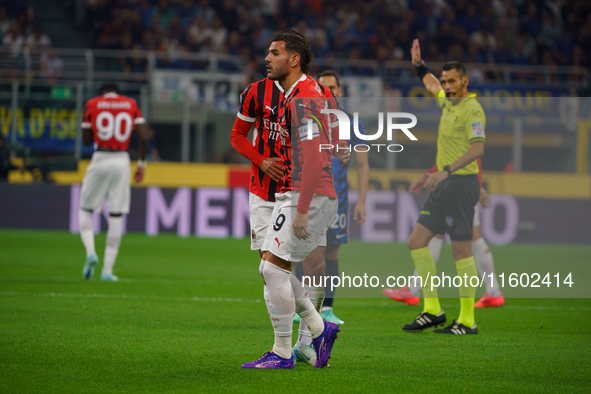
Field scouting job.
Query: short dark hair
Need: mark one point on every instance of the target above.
(455, 65)
(108, 87)
(296, 43)
(330, 73)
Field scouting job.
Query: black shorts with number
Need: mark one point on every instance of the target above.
(450, 208)
(337, 233)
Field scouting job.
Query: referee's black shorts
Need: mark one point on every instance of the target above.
(450, 208)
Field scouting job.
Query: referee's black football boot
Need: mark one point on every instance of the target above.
(458, 329)
(425, 320)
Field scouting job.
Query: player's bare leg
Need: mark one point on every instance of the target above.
(87, 235)
(114, 234)
(486, 266)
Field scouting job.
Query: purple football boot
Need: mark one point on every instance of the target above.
(323, 343)
(271, 361)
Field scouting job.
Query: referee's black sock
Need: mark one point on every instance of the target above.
(332, 269)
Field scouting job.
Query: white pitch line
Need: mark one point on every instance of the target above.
(121, 280)
(545, 308)
(128, 297)
(252, 300)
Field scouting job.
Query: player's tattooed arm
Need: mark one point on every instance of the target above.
(87, 136)
(87, 132)
(142, 131)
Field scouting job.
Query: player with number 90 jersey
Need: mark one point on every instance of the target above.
(109, 120)
(112, 118)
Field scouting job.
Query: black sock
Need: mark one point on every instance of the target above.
(299, 271)
(332, 269)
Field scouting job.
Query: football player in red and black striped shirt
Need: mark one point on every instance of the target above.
(260, 103)
(306, 204)
(259, 107)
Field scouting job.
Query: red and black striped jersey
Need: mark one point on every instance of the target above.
(259, 103)
(113, 118)
(308, 167)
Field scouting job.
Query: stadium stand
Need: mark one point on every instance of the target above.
(369, 37)
(52, 48)
(548, 33)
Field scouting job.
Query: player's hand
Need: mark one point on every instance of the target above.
(435, 179)
(484, 198)
(417, 186)
(138, 177)
(300, 226)
(342, 152)
(273, 168)
(415, 51)
(359, 213)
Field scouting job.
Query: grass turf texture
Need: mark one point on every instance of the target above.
(188, 312)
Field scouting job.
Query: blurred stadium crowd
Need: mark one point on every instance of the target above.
(21, 32)
(517, 32)
(533, 37)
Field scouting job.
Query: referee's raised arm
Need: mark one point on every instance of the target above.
(425, 75)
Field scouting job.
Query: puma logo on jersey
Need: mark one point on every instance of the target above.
(279, 243)
(271, 109)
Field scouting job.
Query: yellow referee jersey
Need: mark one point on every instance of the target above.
(460, 125)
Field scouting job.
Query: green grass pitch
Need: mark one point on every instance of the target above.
(188, 312)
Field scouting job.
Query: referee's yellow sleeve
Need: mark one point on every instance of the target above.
(441, 98)
(475, 125)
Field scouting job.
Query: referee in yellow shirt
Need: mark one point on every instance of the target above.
(454, 193)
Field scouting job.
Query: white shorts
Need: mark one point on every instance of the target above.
(260, 217)
(280, 239)
(108, 176)
(476, 217)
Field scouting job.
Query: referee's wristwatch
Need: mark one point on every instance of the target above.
(446, 168)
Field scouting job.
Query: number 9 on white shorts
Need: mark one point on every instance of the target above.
(280, 239)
